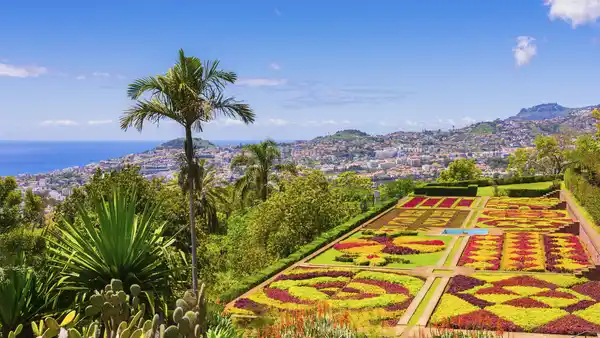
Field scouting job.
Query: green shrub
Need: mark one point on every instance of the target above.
(531, 192)
(586, 193)
(470, 190)
(319, 242)
(484, 182)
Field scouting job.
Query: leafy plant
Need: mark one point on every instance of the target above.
(121, 245)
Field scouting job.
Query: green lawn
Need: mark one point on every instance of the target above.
(489, 191)
(426, 259)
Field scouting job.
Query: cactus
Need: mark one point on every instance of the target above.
(122, 316)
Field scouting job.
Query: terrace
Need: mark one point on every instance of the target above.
(526, 266)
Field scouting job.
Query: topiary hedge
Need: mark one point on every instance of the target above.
(307, 249)
(531, 192)
(485, 182)
(428, 190)
(587, 194)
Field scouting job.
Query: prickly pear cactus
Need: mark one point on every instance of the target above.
(189, 315)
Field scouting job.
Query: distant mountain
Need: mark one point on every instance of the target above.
(348, 134)
(178, 143)
(543, 111)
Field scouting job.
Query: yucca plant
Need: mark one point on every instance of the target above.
(120, 244)
(24, 296)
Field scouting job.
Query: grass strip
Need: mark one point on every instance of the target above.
(489, 191)
(424, 302)
(472, 219)
(453, 251)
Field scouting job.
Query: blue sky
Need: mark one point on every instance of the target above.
(307, 68)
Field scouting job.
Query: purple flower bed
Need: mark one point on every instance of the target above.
(474, 300)
(584, 304)
(570, 324)
(387, 286)
(284, 296)
(461, 283)
(591, 289)
(249, 304)
(315, 274)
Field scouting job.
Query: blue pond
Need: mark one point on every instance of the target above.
(465, 232)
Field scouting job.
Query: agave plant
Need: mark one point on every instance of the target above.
(121, 245)
(24, 296)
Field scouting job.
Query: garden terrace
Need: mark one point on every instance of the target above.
(440, 202)
(524, 203)
(420, 219)
(524, 220)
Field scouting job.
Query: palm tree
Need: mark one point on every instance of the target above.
(208, 188)
(259, 161)
(190, 94)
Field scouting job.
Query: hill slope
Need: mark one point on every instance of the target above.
(178, 143)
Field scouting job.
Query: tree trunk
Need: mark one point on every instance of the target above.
(189, 154)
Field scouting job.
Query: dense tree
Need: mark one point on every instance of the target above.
(460, 170)
(522, 162)
(33, 209)
(398, 188)
(10, 204)
(259, 161)
(552, 153)
(190, 94)
(352, 187)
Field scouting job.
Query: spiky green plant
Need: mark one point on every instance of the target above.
(121, 245)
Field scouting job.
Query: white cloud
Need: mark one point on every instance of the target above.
(59, 123)
(80, 77)
(95, 122)
(261, 82)
(100, 74)
(277, 122)
(447, 121)
(231, 122)
(21, 71)
(575, 12)
(410, 123)
(275, 66)
(525, 50)
(277, 12)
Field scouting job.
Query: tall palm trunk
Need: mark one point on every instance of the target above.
(189, 154)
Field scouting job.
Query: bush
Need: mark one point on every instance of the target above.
(470, 190)
(319, 242)
(499, 181)
(586, 193)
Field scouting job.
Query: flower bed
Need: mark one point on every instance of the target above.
(385, 247)
(439, 202)
(525, 251)
(522, 203)
(483, 252)
(523, 220)
(564, 253)
(370, 297)
(422, 218)
(553, 304)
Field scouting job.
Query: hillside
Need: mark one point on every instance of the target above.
(543, 112)
(178, 143)
(346, 135)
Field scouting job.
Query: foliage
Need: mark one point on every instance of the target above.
(25, 295)
(398, 188)
(585, 192)
(512, 192)
(30, 243)
(294, 216)
(522, 162)
(259, 162)
(324, 239)
(10, 201)
(351, 187)
(471, 191)
(122, 245)
(485, 182)
(460, 170)
(552, 153)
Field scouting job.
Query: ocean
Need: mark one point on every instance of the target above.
(34, 157)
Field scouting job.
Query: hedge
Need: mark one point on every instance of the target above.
(531, 192)
(307, 249)
(485, 182)
(428, 190)
(587, 194)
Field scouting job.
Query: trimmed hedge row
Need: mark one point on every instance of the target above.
(307, 249)
(531, 192)
(586, 193)
(485, 182)
(428, 190)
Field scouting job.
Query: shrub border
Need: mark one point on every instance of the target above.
(486, 182)
(325, 238)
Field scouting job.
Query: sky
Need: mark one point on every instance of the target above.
(307, 68)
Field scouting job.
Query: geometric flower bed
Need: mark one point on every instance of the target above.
(412, 219)
(439, 202)
(542, 303)
(521, 203)
(525, 251)
(387, 246)
(527, 220)
(370, 297)
(483, 252)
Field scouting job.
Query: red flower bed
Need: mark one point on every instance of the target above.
(527, 303)
(591, 289)
(564, 253)
(387, 286)
(413, 202)
(465, 203)
(480, 319)
(350, 245)
(461, 283)
(431, 202)
(431, 242)
(249, 304)
(584, 304)
(570, 325)
(329, 285)
(447, 202)
(525, 281)
(475, 245)
(314, 274)
(284, 296)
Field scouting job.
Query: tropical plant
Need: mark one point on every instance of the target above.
(190, 94)
(24, 295)
(208, 188)
(120, 245)
(259, 162)
(10, 204)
